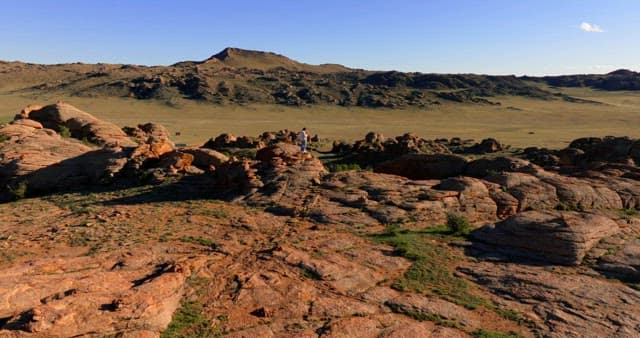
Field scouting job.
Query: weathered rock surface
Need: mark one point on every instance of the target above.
(624, 263)
(569, 304)
(423, 306)
(561, 237)
(39, 160)
(81, 125)
(473, 196)
(45, 161)
(91, 296)
(204, 158)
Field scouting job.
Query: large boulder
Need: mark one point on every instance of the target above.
(204, 158)
(424, 166)
(475, 201)
(489, 145)
(285, 151)
(577, 194)
(608, 149)
(552, 236)
(152, 143)
(623, 263)
(42, 160)
(150, 133)
(80, 124)
(530, 191)
(34, 158)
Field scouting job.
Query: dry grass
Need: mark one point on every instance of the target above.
(518, 121)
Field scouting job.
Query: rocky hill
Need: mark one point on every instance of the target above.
(621, 79)
(236, 76)
(119, 232)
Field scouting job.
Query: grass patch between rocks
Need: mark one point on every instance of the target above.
(430, 271)
(201, 241)
(482, 333)
(189, 322)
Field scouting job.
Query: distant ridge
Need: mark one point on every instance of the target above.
(620, 79)
(242, 76)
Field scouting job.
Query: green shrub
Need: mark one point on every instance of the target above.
(344, 167)
(88, 143)
(189, 321)
(64, 131)
(18, 191)
(4, 138)
(458, 224)
(482, 333)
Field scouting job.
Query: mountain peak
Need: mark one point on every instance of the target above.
(254, 59)
(231, 52)
(245, 58)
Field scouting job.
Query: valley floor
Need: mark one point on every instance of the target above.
(518, 121)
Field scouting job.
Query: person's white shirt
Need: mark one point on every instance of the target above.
(302, 136)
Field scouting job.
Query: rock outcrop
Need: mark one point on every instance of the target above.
(80, 125)
(43, 160)
(37, 159)
(424, 166)
(562, 299)
(623, 263)
(560, 237)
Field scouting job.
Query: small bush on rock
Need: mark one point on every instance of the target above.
(458, 224)
(19, 191)
(64, 131)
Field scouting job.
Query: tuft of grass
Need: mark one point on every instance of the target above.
(482, 333)
(64, 131)
(309, 273)
(189, 322)
(88, 142)
(19, 191)
(430, 272)
(217, 212)
(4, 138)
(202, 241)
(80, 238)
(165, 236)
(337, 167)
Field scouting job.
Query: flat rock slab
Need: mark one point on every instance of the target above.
(67, 297)
(566, 303)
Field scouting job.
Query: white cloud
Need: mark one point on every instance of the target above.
(591, 28)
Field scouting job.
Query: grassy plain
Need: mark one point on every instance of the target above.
(518, 121)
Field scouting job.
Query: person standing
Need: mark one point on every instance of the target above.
(303, 137)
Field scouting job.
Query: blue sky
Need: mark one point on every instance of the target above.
(455, 36)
